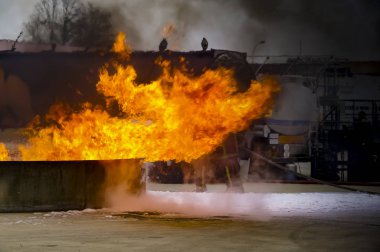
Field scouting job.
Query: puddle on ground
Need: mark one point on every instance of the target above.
(175, 217)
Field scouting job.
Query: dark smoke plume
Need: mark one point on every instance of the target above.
(347, 28)
(342, 28)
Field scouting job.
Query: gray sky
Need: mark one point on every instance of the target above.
(345, 28)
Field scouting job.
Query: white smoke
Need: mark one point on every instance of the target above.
(192, 204)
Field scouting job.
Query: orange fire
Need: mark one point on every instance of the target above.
(168, 30)
(121, 47)
(176, 117)
(4, 155)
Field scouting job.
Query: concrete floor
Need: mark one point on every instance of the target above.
(261, 188)
(300, 218)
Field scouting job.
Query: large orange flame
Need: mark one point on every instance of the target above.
(176, 117)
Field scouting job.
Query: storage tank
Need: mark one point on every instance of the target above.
(295, 108)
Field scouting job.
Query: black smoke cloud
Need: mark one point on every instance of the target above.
(344, 28)
(347, 28)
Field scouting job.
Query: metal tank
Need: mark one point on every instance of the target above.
(295, 108)
(285, 135)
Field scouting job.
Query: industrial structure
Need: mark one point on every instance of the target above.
(327, 113)
(332, 117)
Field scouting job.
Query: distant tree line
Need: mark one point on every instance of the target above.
(70, 22)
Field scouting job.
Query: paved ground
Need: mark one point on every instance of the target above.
(261, 188)
(300, 218)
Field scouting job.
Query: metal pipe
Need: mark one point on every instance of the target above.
(308, 177)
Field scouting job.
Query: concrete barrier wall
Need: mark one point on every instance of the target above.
(55, 185)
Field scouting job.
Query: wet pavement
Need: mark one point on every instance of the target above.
(173, 218)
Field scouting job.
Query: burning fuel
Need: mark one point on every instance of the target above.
(4, 156)
(121, 47)
(176, 117)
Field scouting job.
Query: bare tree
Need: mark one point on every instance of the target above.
(50, 21)
(69, 22)
(93, 28)
(70, 14)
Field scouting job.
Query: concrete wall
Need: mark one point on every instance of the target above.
(58, 185)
